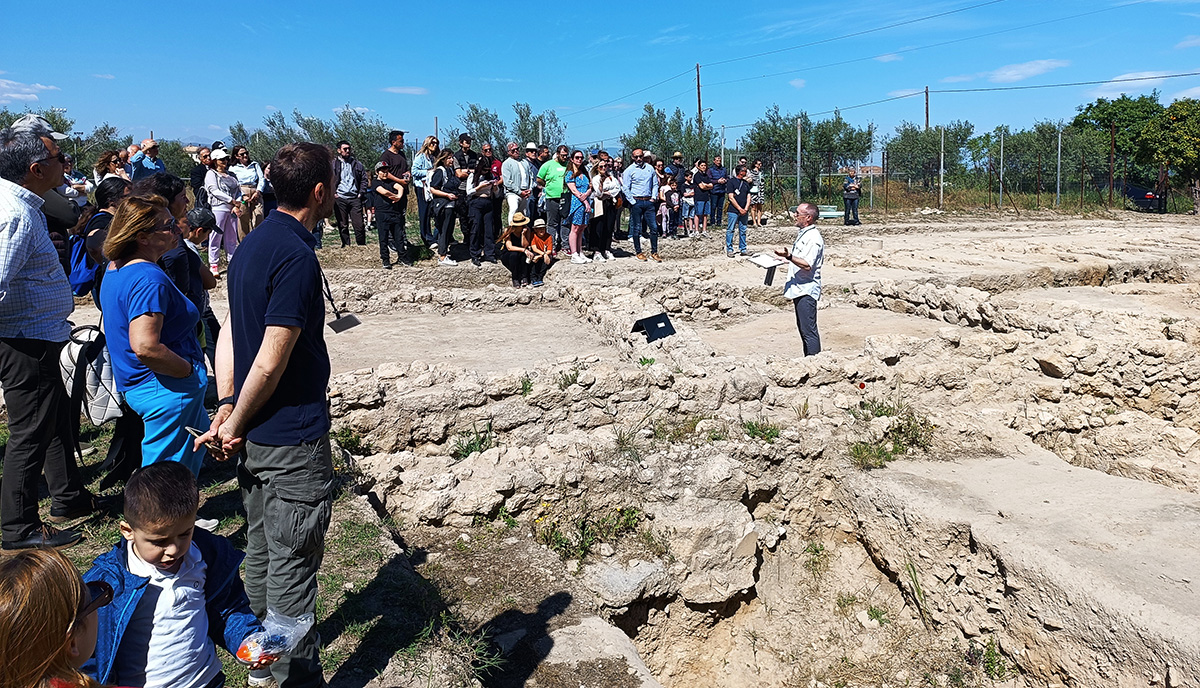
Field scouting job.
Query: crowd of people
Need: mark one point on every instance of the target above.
(138, 249)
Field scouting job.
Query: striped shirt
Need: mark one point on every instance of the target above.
(35, 297)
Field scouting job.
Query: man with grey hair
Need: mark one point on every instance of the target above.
(803, 287)
(146, 162)
(35, 302)
(517, 181)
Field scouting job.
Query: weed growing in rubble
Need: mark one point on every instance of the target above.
(846, 602)
(673, 429)
(917, 591)
(877, 614)
(568, 378)
(817, 559)
(801, 410)
(467, 443)
(645, 362)
(908, 430)
(761, 429)
(626, 443)
(575, 537)
(988, 658)
(526, 385)
(352, 442)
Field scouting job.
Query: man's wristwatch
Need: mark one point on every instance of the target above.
(225, 400)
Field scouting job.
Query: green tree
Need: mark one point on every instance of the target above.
(1128, 115)
(662, 135)
(85, 148)
(483, 124)
(827, 143)
(367, 134)
(1172, 139)
(525, 127)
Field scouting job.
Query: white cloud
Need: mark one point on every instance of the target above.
(616, 106)
(1189, 93)
(272, 108)
(407, 90)
(905, 92)
(356, 109)
(1189, 42)
(890, 57)
(16, 91)
(215, 127)
(958, 79)
(797, 83)
(498, 80)
(1114, 87)
(104, 76)
(1019, 72)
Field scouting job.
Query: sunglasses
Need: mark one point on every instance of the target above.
(99, 594)
(168, 226)
(61, 158)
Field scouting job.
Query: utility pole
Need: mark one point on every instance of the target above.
(540, 134)
(699, 107)
(942, 169)
(1000, 204)
(926, 108)
(799, 155)
(1081, 184)
(1038, 202)
(436, 134)
(722, 144)
(1112, 148)
(885, 185)
(1058, 173)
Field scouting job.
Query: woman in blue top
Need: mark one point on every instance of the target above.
(576, 182)
(151, 330)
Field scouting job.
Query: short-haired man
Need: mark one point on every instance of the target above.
(803, 287)
(35, 302)
(518, 183)
(126, 155)
(272, 372)
(851, 192)
(551, 176)
(719, 178)
(352, 184)
(739, 207)
(639, 183)
(196, 178)
(146, 162)
(532, 164)
(465, 158)
(398, 172)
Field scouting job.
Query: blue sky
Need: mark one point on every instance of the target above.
(189, 74)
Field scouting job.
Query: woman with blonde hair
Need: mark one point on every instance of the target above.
(151, 329)
(48, 620)
(422, 167)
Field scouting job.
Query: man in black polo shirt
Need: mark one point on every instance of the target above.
(272, 371)
(465, 157)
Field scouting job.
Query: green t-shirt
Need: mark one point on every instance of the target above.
(552, 173)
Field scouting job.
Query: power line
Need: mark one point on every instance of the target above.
(852, 35)
(1073, 83)
(940, 44)
(634, 93)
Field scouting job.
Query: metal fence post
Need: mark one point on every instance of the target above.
(1058, 173)
(799, 156)
(942, 168)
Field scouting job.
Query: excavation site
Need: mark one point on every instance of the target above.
(988, 476)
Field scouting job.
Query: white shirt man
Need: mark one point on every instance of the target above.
(517, 181)
(805, 258)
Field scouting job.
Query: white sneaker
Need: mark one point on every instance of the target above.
(578, 259)
(599, 257)
(447, 261)
(209, 524)
(259, 678)
(433, 247)
(609, 256)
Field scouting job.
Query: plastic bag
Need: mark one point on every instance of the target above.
(280, 636)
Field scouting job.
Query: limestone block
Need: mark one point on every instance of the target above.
(714, 541)
(620, 585)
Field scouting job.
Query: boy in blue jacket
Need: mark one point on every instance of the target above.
(176, 590)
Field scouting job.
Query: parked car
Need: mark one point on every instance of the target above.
(1142, 198)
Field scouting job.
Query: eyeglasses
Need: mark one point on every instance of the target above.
(168, 226)
(99, 593)
(577, 157)
(61, 158)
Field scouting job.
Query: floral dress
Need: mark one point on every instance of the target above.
(580, 212)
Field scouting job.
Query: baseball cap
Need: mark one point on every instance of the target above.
(531, 146)
(219, 154)
(465, 137)
(37, 124)
(381, 165)
(203, 217)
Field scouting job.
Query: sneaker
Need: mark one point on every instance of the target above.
(728, 253)
(216, 271)
(656, 258)
(578, 259)
(387, 266)
(45, 536)
(447, 260)
(260, 678)
(476, 262)
(598, 257)
(516, 283)
(537, 283)
(743, 253)
(641, 256)
(209, 524)
(609, 256)
(433, 247)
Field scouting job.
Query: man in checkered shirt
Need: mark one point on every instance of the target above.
(35, 302)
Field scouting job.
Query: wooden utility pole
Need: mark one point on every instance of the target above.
(799, 155)
(699, 107)
(1039, 181)
(989, 181)
(1112, 149)
(885, 185)
(942, 168)
(926, 108)
(1081, 183)
(1058, 174)
(832, 176)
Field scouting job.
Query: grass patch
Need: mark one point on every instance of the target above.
(468, 443)
(801, 410)
(907, 431)
(846, 602)
(575, 536)
(817, 559)
(761, 429)
(4, 435)
(568, 378)
(877, 614)
(673, 429)
(627, 444)
(645, 362)
(526, 385)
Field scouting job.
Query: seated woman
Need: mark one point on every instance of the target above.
(514, 251)
(48, 620)
(151, 328)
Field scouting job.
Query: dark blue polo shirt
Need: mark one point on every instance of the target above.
(275, 279)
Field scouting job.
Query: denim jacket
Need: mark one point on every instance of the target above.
(229, 617)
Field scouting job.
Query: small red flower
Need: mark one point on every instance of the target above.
(862, 385)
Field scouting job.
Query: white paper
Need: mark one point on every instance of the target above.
(767, 260)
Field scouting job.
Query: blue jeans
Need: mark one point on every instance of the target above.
(717, 198)
(167, 405)
(740, 221)
(641, 218)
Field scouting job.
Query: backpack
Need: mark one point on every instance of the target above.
(88, 376)
(82, 274)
